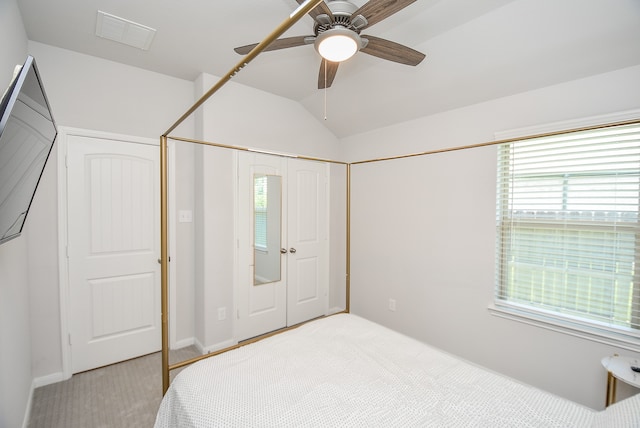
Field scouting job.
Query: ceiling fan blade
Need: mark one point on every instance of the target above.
(377, 10)
(287, 42)
(392, 51)
(321, 9)
(327, 73)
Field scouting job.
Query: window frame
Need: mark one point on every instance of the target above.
(626, 338)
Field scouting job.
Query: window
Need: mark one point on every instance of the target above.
(567, 229)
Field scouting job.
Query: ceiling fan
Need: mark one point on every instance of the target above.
(337, 26)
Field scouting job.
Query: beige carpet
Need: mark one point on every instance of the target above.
(126, 394)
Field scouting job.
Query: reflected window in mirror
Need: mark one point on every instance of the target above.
(260, 190)
(267, 219)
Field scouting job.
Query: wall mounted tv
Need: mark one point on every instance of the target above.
(27, 133)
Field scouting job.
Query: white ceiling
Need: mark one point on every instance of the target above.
(476, 49)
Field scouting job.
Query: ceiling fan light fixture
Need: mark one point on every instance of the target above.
(338, 44)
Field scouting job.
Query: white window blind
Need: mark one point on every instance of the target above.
(568, 235)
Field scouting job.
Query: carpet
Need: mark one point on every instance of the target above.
(126, 394)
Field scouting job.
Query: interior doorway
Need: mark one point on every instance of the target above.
(295, 288)
(112, 249)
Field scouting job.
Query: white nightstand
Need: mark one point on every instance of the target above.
(619, 367)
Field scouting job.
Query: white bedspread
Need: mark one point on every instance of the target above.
(346, 371)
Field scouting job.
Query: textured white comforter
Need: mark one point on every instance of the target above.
(346, 371)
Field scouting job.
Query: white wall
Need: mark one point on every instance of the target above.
(338, 239)
(93, 93)
(14, 42)
(15, 346)
(15, 331)
(592, 96)
(423, 233)
(181, 315)
(242, 116)
(42, 238)
(215, 249)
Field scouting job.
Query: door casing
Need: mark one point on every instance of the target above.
(63, 268)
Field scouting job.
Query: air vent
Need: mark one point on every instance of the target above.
(124, 31)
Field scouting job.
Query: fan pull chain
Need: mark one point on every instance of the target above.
(325, 90)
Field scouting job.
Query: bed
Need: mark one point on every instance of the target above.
(344, 370)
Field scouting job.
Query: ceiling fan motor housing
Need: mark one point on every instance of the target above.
(342, 11)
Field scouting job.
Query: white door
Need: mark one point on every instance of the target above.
(262, 307)
(308, 235)
(113, 250)
(301, 292)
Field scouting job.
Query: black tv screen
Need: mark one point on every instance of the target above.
(27, 133)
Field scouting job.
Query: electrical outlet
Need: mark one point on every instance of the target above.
(222, 313)
(392, 305)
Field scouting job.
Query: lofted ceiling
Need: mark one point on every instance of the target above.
(476, 50)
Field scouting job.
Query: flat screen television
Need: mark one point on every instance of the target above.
(27, 134)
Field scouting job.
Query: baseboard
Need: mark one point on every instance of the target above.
(183, 343)
(335, 310)
(49, 379)
(198, 346)
(215, 347)
(36, 383)
(220, 345)
(27, 410)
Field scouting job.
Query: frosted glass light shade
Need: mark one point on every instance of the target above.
(338, 44)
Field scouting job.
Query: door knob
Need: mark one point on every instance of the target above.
(292, 250)
(283, 251)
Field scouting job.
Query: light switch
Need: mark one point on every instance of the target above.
(185, 216)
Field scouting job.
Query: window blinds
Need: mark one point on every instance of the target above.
(567, 219)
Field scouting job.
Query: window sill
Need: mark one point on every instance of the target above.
(538, 319)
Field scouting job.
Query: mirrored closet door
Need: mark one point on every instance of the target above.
(283, 242)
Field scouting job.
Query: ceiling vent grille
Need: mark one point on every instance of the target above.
(124, 31)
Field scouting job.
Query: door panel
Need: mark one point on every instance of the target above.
(307, 280)
(121, 305)
(113, 241)
(308, 266)
(261, 308)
